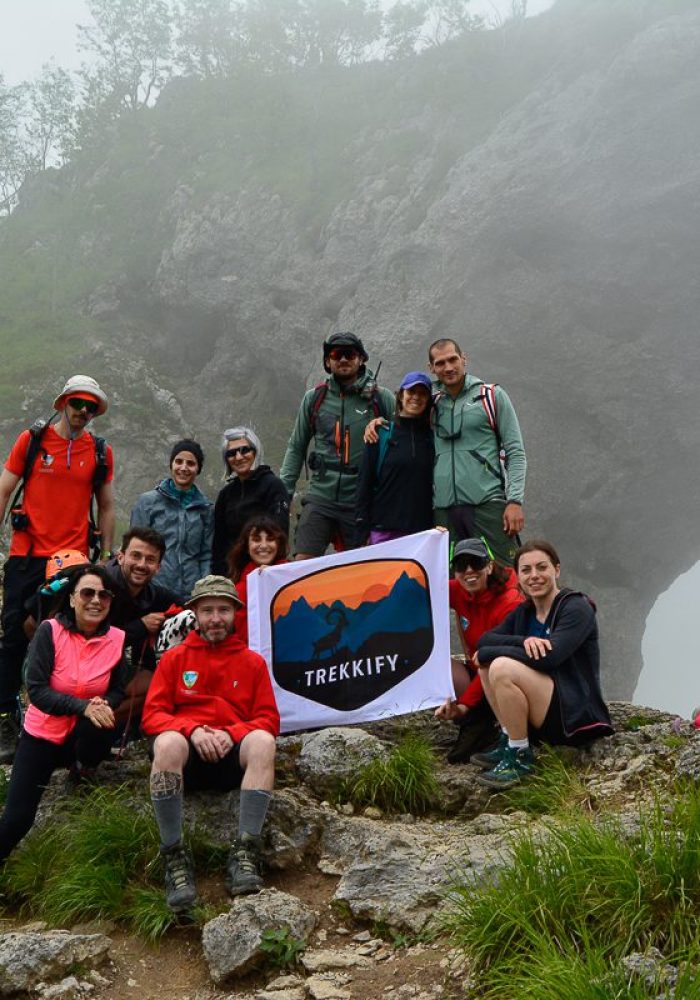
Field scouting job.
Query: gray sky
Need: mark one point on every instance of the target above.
(35, 31)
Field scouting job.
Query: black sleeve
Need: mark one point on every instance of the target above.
(117, 683)
(278, 504)
(219, 546)
(365, 493)
(40, 665)
(572, 627)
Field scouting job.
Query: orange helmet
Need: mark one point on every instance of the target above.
(64, 560)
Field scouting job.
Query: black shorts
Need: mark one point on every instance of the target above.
(199, 775)
(552, 729)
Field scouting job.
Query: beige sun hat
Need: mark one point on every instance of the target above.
(214, 586)
(78, 385)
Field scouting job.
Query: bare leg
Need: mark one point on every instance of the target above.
(257, 757)
(461, 678)
(518, 695)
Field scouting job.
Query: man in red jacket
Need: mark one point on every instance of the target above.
(212, 714)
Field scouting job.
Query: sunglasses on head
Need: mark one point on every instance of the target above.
(88, 593)
(470, 562)
(83, 404)
(243, 450)
(338, 353)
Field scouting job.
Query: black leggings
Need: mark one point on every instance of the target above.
(35, 762)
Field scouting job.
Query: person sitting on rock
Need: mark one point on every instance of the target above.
(481, 595)
(540, 670)
(213, 719)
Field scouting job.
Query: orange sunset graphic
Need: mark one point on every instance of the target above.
(354, 584)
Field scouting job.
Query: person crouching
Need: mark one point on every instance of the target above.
(213, 719)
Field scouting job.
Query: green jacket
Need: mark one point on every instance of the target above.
(467, 468)
(338, 437)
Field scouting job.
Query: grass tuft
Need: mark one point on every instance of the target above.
(98, 861)
(584, 889)
(404, 782)
(554, 787)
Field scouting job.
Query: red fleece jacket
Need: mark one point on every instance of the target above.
(479, 614)
(223, 685)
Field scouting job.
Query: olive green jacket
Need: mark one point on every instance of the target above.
(338, 434)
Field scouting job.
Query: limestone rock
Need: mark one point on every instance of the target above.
(327, 959)
(30, 958)
(331, 755)
(231, 941)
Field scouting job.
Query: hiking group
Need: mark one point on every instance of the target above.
(442, 452)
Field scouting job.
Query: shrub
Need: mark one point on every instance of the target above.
(554, 787)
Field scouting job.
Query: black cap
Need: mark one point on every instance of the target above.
(344, 340)
(187, 444)
(471, 547)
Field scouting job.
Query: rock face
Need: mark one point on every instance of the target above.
(28, 958)
(555, 237)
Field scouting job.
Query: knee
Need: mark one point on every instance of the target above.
(503, 670)
(259, 746)
(170, 752)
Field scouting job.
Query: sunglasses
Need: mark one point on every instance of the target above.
(88, 593)
(83, 404)
(338, 353)
(476, 563)
(243, 450)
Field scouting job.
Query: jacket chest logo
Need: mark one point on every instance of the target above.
(189, 678)
(235, 684)
(47, 460)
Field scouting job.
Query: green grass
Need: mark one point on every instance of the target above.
(589, 891)
(99, 860)
(281, 949)
(555, 787)
(404, 782)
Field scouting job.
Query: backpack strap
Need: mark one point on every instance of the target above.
(320, 393)
(487, 395)
(36, 433)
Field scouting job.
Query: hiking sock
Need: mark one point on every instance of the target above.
(252, 811)
(166, 796)
(518, 744)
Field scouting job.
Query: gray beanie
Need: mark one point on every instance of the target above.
(232, 434)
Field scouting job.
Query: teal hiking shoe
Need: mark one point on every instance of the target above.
(513, 766)
(489, 758)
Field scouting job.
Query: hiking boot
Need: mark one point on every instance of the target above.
(180, 891)
(9, 734)
(472, 736)
(512, 767)
(81, 779)
(243, 871)
(489, 758)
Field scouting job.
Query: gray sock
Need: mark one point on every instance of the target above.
(166, 796)
(253, 809)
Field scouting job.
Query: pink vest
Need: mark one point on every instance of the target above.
(82, 667)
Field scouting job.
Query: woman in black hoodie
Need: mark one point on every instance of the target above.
(251, 489)
(540, 670)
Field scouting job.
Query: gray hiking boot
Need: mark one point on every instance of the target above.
(243, 871)
(180, 891)
(9, 734)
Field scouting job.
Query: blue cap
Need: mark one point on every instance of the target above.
(416, 378)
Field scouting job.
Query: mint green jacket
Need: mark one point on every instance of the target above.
(337, 438)
(467, 467)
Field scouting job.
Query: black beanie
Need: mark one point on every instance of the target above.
(187, 444)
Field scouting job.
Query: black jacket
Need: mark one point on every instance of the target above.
(573, 662)
(127, 611)
(261, 493)
(400, 498)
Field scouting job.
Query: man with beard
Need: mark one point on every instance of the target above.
(334, 415)
(213, 720)
(60, 465)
